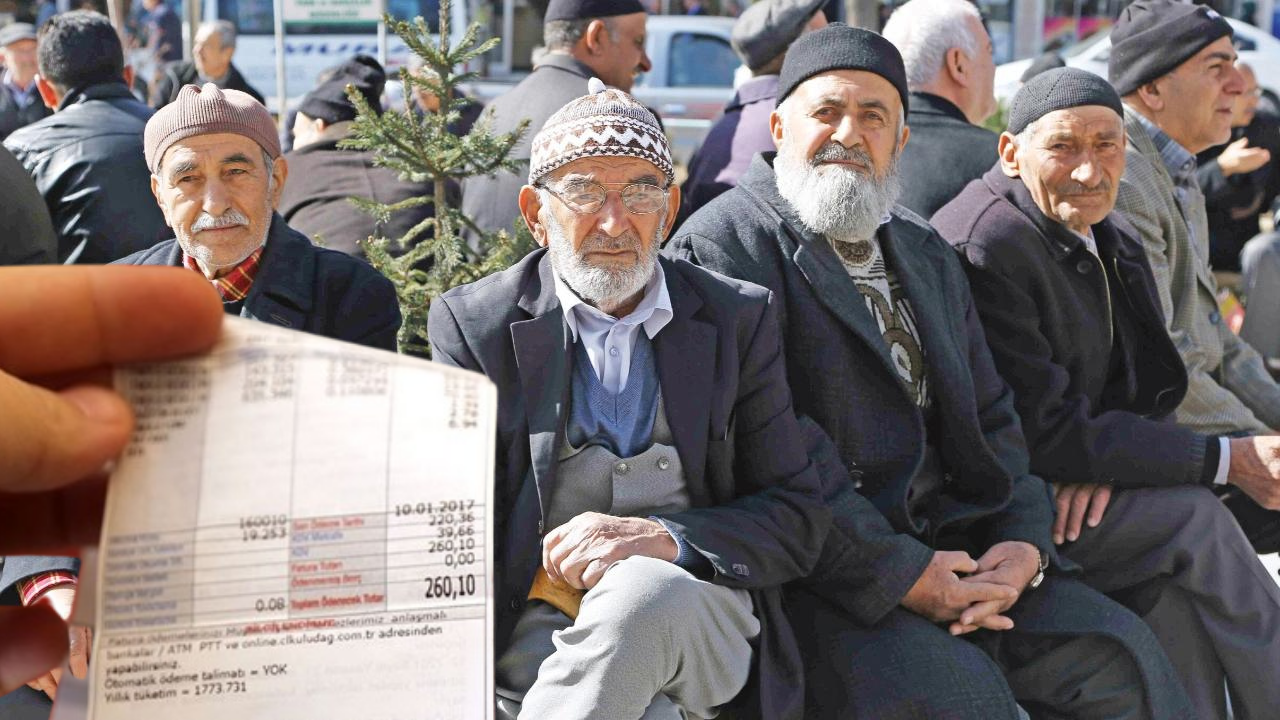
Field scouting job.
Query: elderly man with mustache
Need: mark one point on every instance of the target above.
(652, 484)
(217, 174)
(1070, 310)
(931, 599)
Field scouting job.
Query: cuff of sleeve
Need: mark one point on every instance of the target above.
(1217, 461)
(31, 589)
(687, 557)
(1224, 461)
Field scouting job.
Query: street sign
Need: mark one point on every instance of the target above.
(321, 12)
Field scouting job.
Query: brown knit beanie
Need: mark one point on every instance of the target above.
(206, 111)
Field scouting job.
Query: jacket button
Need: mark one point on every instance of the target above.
(622, 468)
(515, 603)
(1215, 317)
(856, 477)
(1083, 267)
(663, 463)
(742, 570)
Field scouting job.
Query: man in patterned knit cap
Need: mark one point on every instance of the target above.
(941, 529)
(652, 487)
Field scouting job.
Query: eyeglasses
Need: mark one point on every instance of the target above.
(586, 197)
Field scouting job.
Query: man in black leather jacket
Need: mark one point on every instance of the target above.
(86, 158)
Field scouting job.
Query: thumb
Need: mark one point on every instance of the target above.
(958, 561)
(49, 439)
(1240, 144)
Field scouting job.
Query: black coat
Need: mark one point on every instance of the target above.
(13, 117)
(1093, 409)
(756, 511)
(307, 288)
(323, 178)
(491, 202)
(88, 164)
(945, 151)
(841, 375)
(185, 73)
(843, 378)
(28, 237)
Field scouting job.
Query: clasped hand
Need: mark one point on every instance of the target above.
(971, 594)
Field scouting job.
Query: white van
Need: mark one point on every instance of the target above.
(310, 48)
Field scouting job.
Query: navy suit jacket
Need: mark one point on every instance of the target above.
(757, 513)
(308, 288)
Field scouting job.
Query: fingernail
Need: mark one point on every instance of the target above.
(1057, 539)
(1093, 523)
(1072, 536)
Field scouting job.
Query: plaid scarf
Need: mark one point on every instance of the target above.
(233, 286)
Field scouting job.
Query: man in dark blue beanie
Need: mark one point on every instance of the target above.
(940, 593)
(1069, 307)
(583, 39)
(1174, 64)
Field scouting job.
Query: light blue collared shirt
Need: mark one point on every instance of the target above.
(609, 340)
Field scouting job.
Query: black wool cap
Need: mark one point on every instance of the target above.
(840, 47)
(1152, 37)
(329, 101)
(588, 9)
(1059, 89)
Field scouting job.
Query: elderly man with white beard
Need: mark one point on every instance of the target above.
(939, 593)
(217, 174)
(652, 487)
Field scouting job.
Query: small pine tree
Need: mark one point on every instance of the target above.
(421, 149)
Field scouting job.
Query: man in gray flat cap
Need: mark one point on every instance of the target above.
(653, 488)
(1068, 303)
(760, 36)
(20, 102)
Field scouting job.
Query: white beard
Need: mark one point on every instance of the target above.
(602, 287)
(834, 201)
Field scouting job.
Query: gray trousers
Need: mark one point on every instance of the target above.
(650, 641)
(1179, 558)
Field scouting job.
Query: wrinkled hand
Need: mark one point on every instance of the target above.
(1255, 468)
(59, 425)
(62, 600)
(1011, 564)
(1238, 157)
(580, 551)
(941, 595)
(1076, 505)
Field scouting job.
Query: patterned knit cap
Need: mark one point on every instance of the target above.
(603, 123)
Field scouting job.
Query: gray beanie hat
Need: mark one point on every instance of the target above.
(603, 123)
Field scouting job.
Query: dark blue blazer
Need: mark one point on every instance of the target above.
(305, 287)
(757, 515)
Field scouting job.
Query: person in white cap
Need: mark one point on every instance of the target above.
(652, 484)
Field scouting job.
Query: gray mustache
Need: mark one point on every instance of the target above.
(230, 218)
(1074, 187)
(835, 151)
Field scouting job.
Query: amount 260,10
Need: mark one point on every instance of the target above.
(450, 587)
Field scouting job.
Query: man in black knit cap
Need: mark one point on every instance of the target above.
(583, 39)
(316, 200)
(931, 599)
(1069, 306)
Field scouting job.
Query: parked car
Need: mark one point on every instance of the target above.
(1256, 47)
(689, 84)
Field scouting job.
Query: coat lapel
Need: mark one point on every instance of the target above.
(686, 357)
(541, 347)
